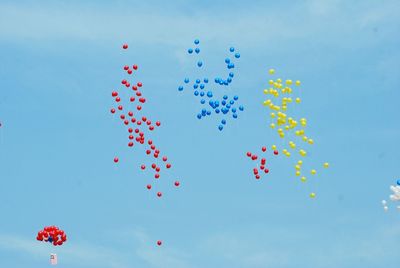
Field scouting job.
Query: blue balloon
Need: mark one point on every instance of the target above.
(225, 97)
(223, 102)
(220, 127)
(233, 110)
(231, 74)
(217, 103)
(235, 98)
(208, 112)
(217, 80)
(241, 108)
(398, 182)
(202, 101)
(50, 239)
(202, 93)
(197, 81)
(227, 60)
(232, 49)
(195, 86)
(180, 88)
(237, 55)
(190, 51)
(196, 42)
(209, 94)
(217, 111)
(197, 50)
(201, 86)
(234, 116)
(223, 121)
(206, 80)
(196, 93)
(232, 102)
(226, 83)
(224, 110)
(203, 112)
(229, 80)
(199, 63)
(186, 80)
(199, 116)
(228, 106)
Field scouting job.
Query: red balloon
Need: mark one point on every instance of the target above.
(138, 93)
(132, 99)
(150, 142)
(124, 82)
(114, 94)
(159, 194)
(141, 134)
(156, 155)
(130, 130)
(157, 151)
(134, 67)
(148, 152)
(133, 120)
(157, 169)
(177, 183)
(116, 159)
(263, 148)
(257, 177)
(131, 137)
(60, 243)
(248, 154)
(164, 158)
(253, 157)
(159, 242)
(134, 87)
(266, 170)
(142, 100)
(168, 165)
(127, 84)
(144, 119)
(263, 160)
(153, 166)
(117, 99)
(130, 144)
(262, 167)
(151, 128)
(113, 111)
(255, 171)
(148, 186)
(139, 84)
(139, 123)
(122, 116)
(130, 113)
(136, 130)
(125, 46)
(143, 167)
(158, 123)
(129, 71)
(157, 176)
(126, 67)
(126, 122)
(153, 147)
(275, 152)
(139, 107)
(120, 107)
(148, 122)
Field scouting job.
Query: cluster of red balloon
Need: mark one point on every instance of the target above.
(52, 234)
(261, 167)
(138, 124)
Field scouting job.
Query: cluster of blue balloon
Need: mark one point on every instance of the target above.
(219, 106)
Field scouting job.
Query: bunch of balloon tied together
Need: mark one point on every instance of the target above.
(394, 197)
(139, 126)
(212, 103)
(54, 236)
(289, 128)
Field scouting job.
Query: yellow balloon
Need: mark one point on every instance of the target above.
(271, 71)
(310, 141)
(312, 195)
(326, 165)
(273, 147)
(298, 100)
(298, 83)
(272, 125)
(273, 115)
(297, 173)
(297, 167)
(271, 82)
(288, 82)
(303, 179)
(313, 172)
(279, 80)
(300, 162)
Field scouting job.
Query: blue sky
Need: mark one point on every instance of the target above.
(60, 60)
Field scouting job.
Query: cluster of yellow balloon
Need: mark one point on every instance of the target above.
(280, 97)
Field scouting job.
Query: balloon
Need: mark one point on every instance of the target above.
(125, 46)
(159, 242)
(176, 183)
